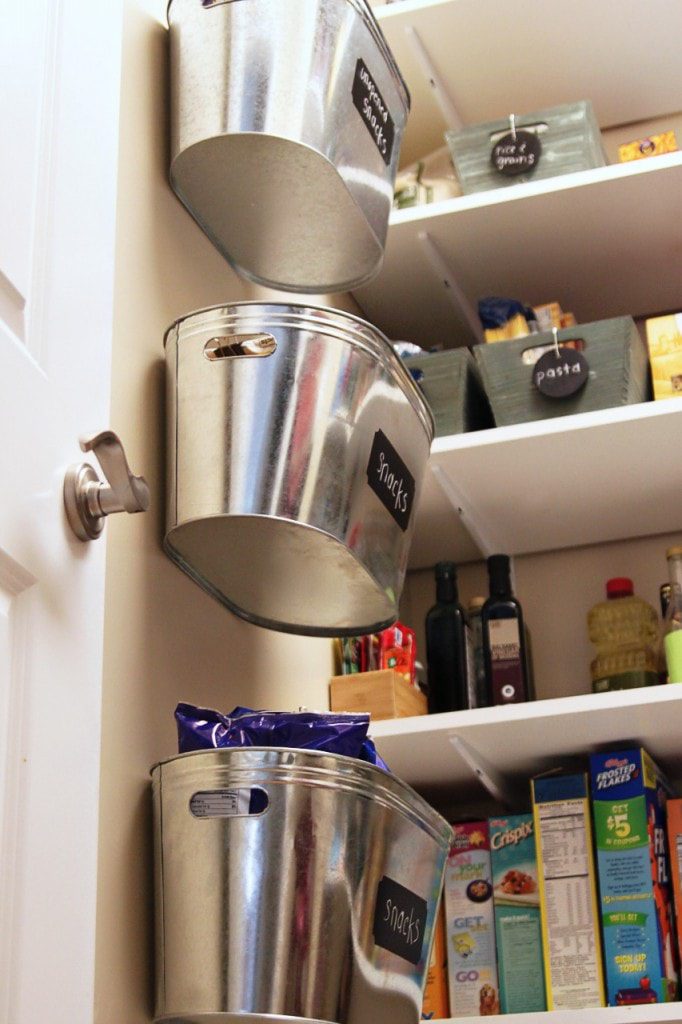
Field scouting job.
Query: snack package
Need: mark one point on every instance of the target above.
(653, 145)
(398, 650)
(436, 1005)
(664, 341)
(504, 319)
(335, 732)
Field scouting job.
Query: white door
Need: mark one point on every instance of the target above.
(59, 95)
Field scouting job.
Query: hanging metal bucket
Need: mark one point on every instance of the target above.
(286, 123)
(297, 443)
(292, 883)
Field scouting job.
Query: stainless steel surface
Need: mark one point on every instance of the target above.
(269, 504)
(268, 151)
(88, 500)
(273, 914)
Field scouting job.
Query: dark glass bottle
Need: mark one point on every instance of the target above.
(505, 653)
(447, 644)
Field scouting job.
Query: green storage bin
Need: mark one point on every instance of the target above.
(453, 389)
(569, 136)
(618, 372)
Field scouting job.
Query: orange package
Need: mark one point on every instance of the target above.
(674, 816)
(436, 1005)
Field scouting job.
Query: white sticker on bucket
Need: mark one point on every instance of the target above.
(220, 803)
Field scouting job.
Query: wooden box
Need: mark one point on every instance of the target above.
(384, 694)
(452, 386)
(618, 371)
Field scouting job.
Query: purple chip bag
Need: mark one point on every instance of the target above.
(340, 733)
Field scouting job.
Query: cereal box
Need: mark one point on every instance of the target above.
(469, 924)
(674, 815)
(629, 795)
(568, 892)
(436, 1005)
(516, 900)
(664, 341)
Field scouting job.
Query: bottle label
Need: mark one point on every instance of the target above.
(505, 658)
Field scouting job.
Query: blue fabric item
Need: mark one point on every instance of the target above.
(340, 733)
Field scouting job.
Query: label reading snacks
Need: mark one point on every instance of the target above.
(391, 480)
(370, 103)
(399, 920)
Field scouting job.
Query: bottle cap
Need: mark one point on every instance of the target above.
(446, 570)
(619, 586)
(674, 552)
(475, 604)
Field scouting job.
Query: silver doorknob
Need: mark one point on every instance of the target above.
(89, 500)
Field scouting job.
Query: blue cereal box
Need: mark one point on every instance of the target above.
(629, 795)
(516, 898)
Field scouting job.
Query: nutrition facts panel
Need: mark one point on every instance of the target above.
(568, 900)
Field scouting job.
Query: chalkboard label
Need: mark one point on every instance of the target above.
(562, 375)
(399, 920)
(370, 103)
(391, 480)
(520, 155)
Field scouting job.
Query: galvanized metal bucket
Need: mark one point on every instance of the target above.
(297, 444)
(292, 883)
(286, 123)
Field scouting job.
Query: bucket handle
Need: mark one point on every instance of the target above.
(240, 346)
(245, 802)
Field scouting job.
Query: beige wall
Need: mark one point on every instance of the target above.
(165, 640)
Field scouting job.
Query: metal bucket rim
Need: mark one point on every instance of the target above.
(303, 316)
(367, 15)
(394, 791)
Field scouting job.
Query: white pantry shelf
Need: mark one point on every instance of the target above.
(671, 1013)
(605, 242)
(523, 55)
(566, 482)
(516, 741)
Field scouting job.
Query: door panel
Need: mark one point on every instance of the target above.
(59, 64)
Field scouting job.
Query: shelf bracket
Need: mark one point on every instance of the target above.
(478, 531)
(434, 79)
(453, 289)
(489, 777)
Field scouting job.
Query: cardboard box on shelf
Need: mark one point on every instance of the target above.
(516, 900)
(568, 892)
(629, 796)
(664, 340)
(469, 924)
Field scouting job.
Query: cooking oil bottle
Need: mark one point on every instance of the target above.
(672, 621)
(624, 629)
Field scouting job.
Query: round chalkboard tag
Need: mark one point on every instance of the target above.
(516, 153)
(560, 376)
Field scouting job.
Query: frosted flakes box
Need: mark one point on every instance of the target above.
(569, 912)
(516, 900)
(629, 796)
(469, 924)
